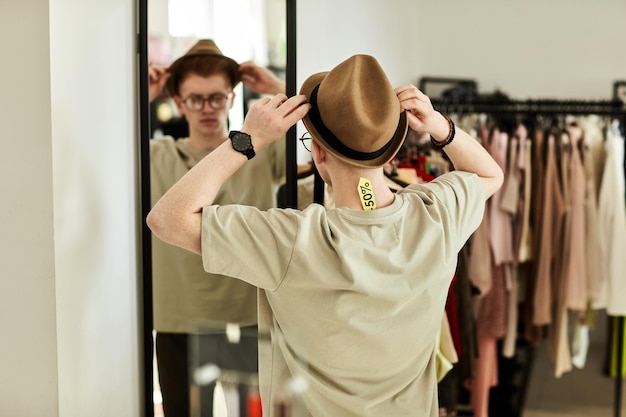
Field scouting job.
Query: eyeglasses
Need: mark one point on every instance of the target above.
(304, 139)
(217, 101)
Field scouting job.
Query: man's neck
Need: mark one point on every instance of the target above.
(202, 142)
(347, 193)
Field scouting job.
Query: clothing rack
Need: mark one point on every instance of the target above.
(529, 107)
(499, 106)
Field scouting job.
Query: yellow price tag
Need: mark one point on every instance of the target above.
(366, 194)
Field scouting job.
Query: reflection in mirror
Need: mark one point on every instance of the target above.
(192, 110)
(237, 391)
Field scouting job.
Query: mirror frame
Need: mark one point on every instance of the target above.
(145, 267)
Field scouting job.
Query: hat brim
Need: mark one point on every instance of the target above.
(233, 67)
(396, 141)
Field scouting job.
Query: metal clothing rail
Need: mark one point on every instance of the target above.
(527, 107)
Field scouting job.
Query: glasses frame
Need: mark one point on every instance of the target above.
(212, 100)
(305, 136)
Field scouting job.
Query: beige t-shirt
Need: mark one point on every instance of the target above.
(185, 297)
(353, 299)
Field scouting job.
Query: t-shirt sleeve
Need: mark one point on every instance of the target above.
(462, 197)
(249, 244)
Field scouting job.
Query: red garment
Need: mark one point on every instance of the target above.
(421, 172)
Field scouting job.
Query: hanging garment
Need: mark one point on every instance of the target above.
(491, 309)
(462, 288)
(576, 294)
(511, 203)
(486, 376)
(558, 342)
(231, 398)
(509, 198)
(445, 353)
(532, 333)
(500, 227)
(452, 314)
(580, 341)
(593, 161)
(612, 221)
(512, 315)
(524, 243)
(479, 257)
(550, 233)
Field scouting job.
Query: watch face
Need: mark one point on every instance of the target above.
(241, 142)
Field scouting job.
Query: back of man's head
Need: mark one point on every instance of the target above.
(355, 114)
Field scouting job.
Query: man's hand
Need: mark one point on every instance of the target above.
(157, 77)
(260, 79)
(422, 116)
(269, 119)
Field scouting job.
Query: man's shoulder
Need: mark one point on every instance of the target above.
(162, 142)
(164, 145)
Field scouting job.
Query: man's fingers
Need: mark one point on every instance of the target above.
(295, 108)
(290, 103)
(278, 100)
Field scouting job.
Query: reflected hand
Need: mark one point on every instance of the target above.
(157, 76)
(260, 79)
(269, 118)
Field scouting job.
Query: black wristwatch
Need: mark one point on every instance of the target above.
(242, 142)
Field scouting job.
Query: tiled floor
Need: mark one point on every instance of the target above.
(578, 393)
(583, 412)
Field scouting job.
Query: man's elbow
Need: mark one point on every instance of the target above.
(156, 222)
(494, 182)
(175, 228)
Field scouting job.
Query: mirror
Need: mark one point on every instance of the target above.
(465, 41)
(244, 30)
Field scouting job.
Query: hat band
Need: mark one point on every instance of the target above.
(333, 141)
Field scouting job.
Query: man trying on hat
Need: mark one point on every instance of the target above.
(353, 296)
(188, 301)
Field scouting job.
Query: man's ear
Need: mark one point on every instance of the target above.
(318, 153)
(232, 100)
(179, 105)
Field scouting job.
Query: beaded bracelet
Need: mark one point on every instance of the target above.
(450, 137)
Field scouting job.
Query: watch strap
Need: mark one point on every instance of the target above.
(247, 151)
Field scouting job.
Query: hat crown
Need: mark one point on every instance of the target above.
(204, 48)
(355, 113)
(358, 104)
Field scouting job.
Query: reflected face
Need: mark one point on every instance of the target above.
(208, 120)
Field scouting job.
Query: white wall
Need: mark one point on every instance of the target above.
(68, 277)
(566, 49)
(529, 49)
(330, 31)
(28, 348)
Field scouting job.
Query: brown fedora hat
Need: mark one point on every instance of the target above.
(206, 48)
(355, 114)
